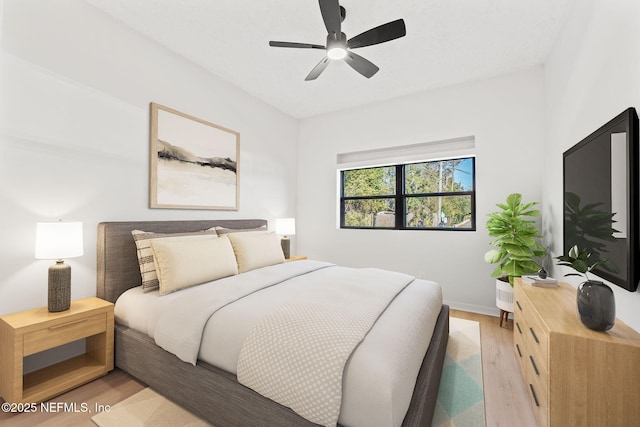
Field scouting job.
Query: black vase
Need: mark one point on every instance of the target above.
(596, 305)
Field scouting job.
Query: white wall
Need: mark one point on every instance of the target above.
(506, 117)
(74, 143)
(592, 75)
(74, 136)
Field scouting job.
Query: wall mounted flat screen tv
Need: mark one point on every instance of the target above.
(601, 209)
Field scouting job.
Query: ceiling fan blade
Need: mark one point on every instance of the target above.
(380, 34)
(297, 45)
(361, 65)
(318, 69)
(330, 10)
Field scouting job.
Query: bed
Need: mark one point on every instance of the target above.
(207, 390)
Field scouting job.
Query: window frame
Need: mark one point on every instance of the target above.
(400, 197)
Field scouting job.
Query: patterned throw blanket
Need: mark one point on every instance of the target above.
(296, 355)
(179, 329)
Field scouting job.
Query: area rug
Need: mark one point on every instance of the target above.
(147, 409)
(460, 400)
(460, 396)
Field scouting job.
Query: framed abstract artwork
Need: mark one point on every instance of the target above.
(194, 163)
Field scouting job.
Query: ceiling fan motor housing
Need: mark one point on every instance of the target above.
(336, 42)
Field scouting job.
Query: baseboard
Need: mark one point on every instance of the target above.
(473, 308)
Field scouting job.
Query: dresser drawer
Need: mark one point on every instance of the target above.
(531, 342)
(54, 333)
(540, 403)
(537, 377)
(518, 343)
(531, 361)
(537, 342)
(534, 336)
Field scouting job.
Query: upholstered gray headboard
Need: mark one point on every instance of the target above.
(118, 268)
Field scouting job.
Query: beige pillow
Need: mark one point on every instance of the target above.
(145, 253)
(255, 250)
(223, 230)
(184, 263)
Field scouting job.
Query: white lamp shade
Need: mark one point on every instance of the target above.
(58, 240)
(286, 226)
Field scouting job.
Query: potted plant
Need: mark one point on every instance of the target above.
(515, 233)
(596, 302)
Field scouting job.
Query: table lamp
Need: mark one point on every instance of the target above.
(58, 240)
(286, 227)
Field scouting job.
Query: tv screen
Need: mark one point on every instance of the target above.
(601, 199)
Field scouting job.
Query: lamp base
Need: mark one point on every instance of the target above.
(286, 247)
(59, 287)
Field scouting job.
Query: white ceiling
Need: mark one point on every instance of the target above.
(447, 42)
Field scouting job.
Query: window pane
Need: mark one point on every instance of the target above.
(370, 182)
(439, 212)
(439, 177)
(369, 213)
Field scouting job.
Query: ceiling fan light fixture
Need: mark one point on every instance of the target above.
(337, 53)
(338, 47)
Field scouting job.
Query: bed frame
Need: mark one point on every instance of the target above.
(214, 394)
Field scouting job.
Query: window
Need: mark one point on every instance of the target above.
(435, 195)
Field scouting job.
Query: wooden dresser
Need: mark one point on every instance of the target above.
(574, 376)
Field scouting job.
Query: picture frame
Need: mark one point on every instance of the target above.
(194, 164)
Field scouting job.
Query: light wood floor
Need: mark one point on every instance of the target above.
(506, 400)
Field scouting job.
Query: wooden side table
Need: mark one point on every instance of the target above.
(33, 331)
(295, 258)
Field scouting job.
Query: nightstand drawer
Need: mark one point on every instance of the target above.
(62, 332)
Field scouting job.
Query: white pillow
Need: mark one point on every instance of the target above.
(255, 250)
(184, 263)
(145, 253)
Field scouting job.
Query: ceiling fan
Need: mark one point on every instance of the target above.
(338, 47)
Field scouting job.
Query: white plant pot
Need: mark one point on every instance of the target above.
(504, 296)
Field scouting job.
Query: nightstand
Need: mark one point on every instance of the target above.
(33, 331)
(295, 258)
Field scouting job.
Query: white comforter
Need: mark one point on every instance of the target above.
(379, 377)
